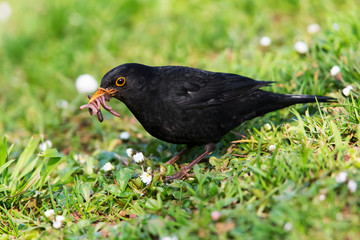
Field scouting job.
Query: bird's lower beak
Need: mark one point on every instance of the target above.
(100, 92)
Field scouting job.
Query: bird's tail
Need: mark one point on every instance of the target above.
(275, 101)
(294, 99)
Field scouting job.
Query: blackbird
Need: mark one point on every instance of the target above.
(184, 105)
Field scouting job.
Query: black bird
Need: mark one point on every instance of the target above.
(189, 106)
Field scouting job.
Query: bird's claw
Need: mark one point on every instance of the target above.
(178, 175)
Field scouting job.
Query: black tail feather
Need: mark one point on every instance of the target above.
(294, 99)
(274, 101)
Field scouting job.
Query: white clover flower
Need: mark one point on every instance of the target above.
(288, 227)
(60, 218)
(108, 167)
(322, 197)
(336, 26)
(301, 47)
(313, 28)
(146, 178)
(45, 145)
(215, 215)
(57, 224)
(267, 127)
(5, 11)
(272, 148)
(124, 135)
(265, 41)
(129, 152)
(49, 214)
(335, 70)
(341, 177)
(63, 104)
(352, 186)
(346, 91)
(80, 158)
(86, 84)
(138, 157)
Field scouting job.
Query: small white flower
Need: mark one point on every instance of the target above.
(313, 28)
(108, 167)
(45, 145)
(341, 177)
(336, 26)
(272, 148)
(80, 158)
(301, 47)
(49, 214)
(215, 215)
(86, 83)
(5, 11)
(129, 152)
(346, 91)
(335, 70)
(60, 218)
(322, 197)
(146, 178)
(352, 186)
(267, 127)
(138, 157)
(63, 104)
(265, 41)
(57, 224)
(287, 226)
(48, 143)
(124, 135)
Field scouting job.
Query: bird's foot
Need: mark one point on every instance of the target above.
(175, 158)
(208, 149)
(177, 175)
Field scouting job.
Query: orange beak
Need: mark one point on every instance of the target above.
(100, 92)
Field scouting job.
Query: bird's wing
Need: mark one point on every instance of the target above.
(193, 88)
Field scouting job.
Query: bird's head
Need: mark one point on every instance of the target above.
(123, 82)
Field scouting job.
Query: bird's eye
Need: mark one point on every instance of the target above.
(120, 81)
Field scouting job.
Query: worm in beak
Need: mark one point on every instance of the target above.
(99, 99)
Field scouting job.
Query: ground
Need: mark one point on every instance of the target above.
(291, 174)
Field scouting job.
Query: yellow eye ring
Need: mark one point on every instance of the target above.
(120, 81)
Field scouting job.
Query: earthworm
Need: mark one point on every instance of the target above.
(95, 106)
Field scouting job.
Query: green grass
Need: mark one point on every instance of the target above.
(289, 193)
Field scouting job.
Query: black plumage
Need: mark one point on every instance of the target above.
(190, 106)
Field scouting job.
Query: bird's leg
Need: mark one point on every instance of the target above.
(208, 149)
(179, 155)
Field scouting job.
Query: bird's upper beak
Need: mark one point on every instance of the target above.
(100, 92)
